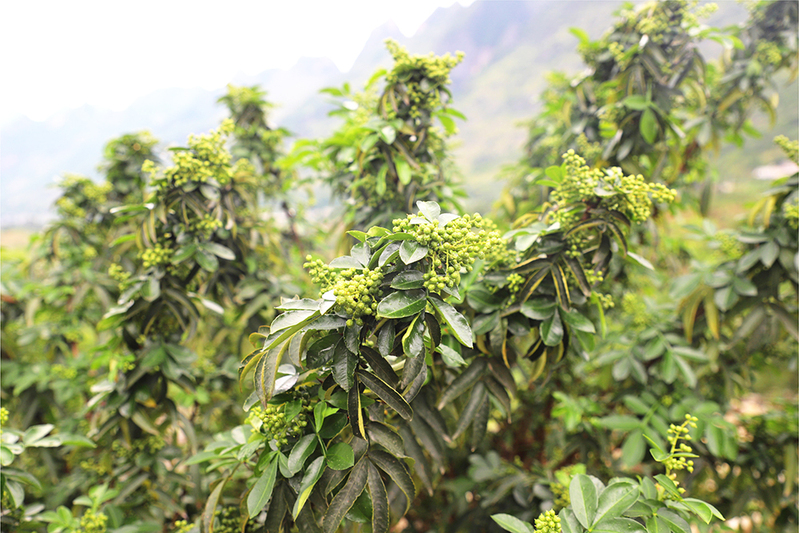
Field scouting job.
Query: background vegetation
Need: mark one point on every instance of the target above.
(184, 349)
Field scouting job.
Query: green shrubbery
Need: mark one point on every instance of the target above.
(582, 362)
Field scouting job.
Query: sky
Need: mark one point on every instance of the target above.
(57, 55)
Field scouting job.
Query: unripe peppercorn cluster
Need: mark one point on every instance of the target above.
(357, 291)
(228, 520)
(630, 195)
(157, 255)
(92, 522)
(547, 522)
(454, 247)
(272, 422)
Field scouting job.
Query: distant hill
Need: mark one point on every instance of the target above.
(510, 46)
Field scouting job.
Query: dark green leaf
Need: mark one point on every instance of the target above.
(463, 382)
(344, 363)
(614, 500)
(387, 394)
(411, 252)
(385, 338)
(379, 496)
(552, 330)
(457, 323)
(309, 479)
(345, 498)
(386, 437)
(401, 304)
(300, 452)
(398, 472)
(262, 490)
(339, 456)
(408, 279)
(355, 411)
(649, 126)
(577, 321)
(476, 399)
(538, 308)
(413, 339)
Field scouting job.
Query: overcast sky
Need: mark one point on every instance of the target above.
(63, 54)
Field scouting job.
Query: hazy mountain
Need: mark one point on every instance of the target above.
(510, 46)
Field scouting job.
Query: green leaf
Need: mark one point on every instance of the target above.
(288, 319)
(512, 524)
(262, 490)
(538, 308)
(355, 412)
(347, 261)
(634, 448)
(398, 472)
(385, 338)
(619, 525)
(450, 356)
(340, 456)
(408, 279)
(388, 134)
(614, 500)
(476, 399)
(403, 171)
(669, 486)
(309, 479)
(386, 437)
(344, 363)
(379, 365)
(457, 323)
(392, 398)
(430, 210)
(552, 330)
(577, 321)
(300, 452)
(769, 253)
(463, 382)
(649, 126)
(568, 522)
(674, 521)
(401, 304)
(218, 250)
(655, 524)
(411, 252)
(636, 102)
(555, 173)
(379, 496)
(345, 498)
(36, 433)
(582, 492)
(413, 339)
(704, 510)
(207, 261)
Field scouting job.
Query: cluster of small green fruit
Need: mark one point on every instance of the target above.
(356, 291)
(206, 226)
(157, 255)
(118, 273)
(454, 247)
(630, 195)
(147, 445)
(273, 423)
(62, 372)
(228, 520)
(92, 522)
(205, 159)
(634, 307)
(561, 493)
(547, 522)
(423, 76)
(789, 147)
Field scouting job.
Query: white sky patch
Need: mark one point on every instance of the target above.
(56, 55)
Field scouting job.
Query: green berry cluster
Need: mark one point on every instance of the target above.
(791, 213)
(157, 255)
(93, 522)
(67, 207)
(730, 246)
(561, 493)
(3, 416)
(635, 308)
(205, 159)
(357, 291)
(118, 273)
(610, 188)
(228, 520)
(60, 371)
(205, 226)
(454, 247)
(678, 458)
(768, 53)
(183, 526)
(148, 445)
(273, 424)
(789, 147)
(423, 77)
(547, 522)
(90, 465)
